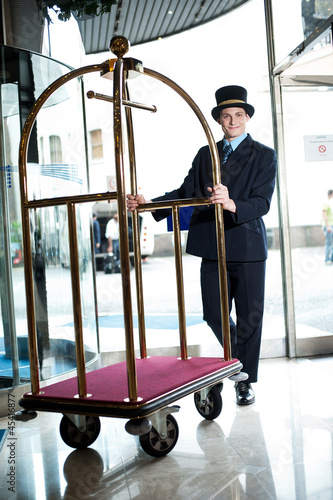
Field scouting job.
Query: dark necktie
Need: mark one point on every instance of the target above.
(227, 150)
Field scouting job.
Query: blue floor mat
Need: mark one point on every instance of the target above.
(6, 367)
(6, 364)
(3, 435)
(153, 322)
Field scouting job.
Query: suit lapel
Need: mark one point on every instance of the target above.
(236, 162)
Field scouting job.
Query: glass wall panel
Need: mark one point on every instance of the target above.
(53, 291)
(56, 167)
(306, 98)
(60, 168)
(167, 141)
(309, 162)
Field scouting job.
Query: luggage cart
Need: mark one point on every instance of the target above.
(142, 390)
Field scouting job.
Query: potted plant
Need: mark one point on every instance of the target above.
(79, 8)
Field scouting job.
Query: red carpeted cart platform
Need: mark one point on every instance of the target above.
(140, 388)
(161, 380)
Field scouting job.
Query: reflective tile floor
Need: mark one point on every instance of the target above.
(279, 448)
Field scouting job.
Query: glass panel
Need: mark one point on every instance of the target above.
(24, 77)
(167, 141)
(309, 162)
(295, 21)
(53, 290)
(8, 255)
(14, 359)
(59, 167)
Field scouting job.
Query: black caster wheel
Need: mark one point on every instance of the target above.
(154, 445)
(212, 406)
(75, 438)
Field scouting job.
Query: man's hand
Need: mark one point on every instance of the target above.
(220, 194)
(133, 201)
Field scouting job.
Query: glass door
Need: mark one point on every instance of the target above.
(56, 167)
(307, 100)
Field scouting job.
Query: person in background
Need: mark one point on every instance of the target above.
(97, 234)
(327, 222)
(248, 170)
(112, 235)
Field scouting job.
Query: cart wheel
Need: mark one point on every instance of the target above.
(154, 445)
(212, 407)
(75, 438)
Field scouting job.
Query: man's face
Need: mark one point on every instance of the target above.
(233, 122)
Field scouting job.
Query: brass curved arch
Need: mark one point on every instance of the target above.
(24, 142)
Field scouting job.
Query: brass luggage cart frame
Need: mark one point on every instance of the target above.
(129, 393)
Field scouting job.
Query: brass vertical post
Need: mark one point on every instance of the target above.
(28, 273)
(223, 281)
(30, 300)
(123, 230)
(136, 232)
(76, 294)
(180, 281)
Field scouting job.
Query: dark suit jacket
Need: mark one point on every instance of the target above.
(249, 174)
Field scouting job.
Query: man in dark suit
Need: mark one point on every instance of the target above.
(97, 234)
(248, 172)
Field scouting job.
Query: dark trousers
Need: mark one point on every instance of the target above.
(246, 287)
(115, 249)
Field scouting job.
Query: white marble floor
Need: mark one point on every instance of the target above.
(279, 448)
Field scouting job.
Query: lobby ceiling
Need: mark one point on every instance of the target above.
(142, 21)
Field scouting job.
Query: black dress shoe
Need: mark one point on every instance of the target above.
(244, 393)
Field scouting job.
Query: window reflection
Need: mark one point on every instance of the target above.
(53, 290)
(295, 21)
(56, 167)
(96, 144)
(55, 149)
(313, 13)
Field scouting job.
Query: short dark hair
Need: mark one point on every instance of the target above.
(330, 192)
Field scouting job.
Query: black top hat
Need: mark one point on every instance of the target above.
(231, 96)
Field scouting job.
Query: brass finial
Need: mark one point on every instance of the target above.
(119, 45)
